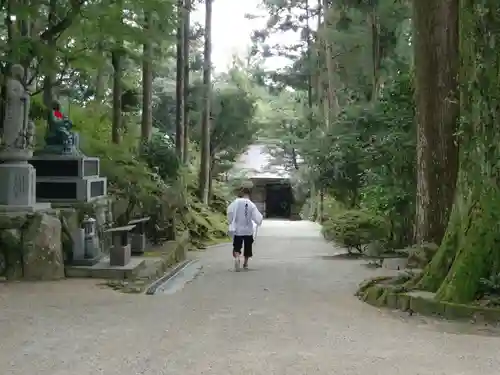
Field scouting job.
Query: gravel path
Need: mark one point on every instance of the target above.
(292, 313)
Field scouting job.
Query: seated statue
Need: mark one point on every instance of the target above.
(59, 138)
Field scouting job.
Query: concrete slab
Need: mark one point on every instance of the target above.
(103, 270)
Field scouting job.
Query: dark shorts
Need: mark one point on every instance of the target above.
(244, 242)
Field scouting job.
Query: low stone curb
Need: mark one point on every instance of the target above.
(153, 268)
(151, 290)
(210, 247)
(423, 303)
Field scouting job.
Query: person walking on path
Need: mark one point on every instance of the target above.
(242, 215)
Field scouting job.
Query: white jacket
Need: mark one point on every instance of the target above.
(242, 214)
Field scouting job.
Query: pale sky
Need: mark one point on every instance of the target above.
(231, 31)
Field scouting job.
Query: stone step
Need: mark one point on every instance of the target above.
(103, 270)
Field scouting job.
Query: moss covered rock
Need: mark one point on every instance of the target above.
(10, 246)
(42, 248)
(382, 293)
(419, 256)
(69, 224)
(13, 221)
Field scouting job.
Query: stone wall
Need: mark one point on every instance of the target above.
(31, 246)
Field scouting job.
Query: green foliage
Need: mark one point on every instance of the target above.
(361, 152)
(204, 225)
(69, 52)
(354, 229)
(490, 286)
(234, 123)
(389, 186)
(350, 35)
(160, 156)
(150, 182)
(367, 158)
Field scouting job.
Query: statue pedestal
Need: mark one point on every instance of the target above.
(15, 155)
(68, 178)
(18, 188)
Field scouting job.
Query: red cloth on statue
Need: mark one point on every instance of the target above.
(58, 114)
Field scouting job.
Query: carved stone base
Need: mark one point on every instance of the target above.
(119, 255)
(29, 209)
(15, 154)
(138, 243)
(18, 188)
(68, 190)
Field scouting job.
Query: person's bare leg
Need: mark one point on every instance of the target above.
(236, 256)
(237, 244)
(247, 250)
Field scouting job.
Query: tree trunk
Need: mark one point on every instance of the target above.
(187, 35)
(321, 206)
(179, 85)
(436, 70)
(117, 54)
(322, 76)
(309, 64)
(210, 180)
(469, 250)
(117, 124)
(50, 60)
(205, 121)
(147, 84)
(330, 88)
(100, 79)
(376, 55)
(317, 82)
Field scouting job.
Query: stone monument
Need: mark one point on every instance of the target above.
(64, 173)
(17, 176)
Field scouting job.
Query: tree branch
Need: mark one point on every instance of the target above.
(34, 75)
(61, 26)
(62, 77)
(345, 52)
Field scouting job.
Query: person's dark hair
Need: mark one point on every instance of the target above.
(244, 191)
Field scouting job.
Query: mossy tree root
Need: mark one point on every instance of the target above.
(478, 254)
(435, 272)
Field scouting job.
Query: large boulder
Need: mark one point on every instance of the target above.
(11, 260)
(69, 225)
(420, 255)
(11, 253)
(42, 248)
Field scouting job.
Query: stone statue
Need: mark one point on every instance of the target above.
(59, 138)
(16, 138)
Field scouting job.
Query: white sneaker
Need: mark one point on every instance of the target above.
(237, 264)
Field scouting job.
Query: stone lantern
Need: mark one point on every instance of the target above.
(91, 243)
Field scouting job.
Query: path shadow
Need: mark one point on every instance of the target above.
(342, 256)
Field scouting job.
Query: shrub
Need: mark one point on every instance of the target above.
(354, 229)
(160, 155)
